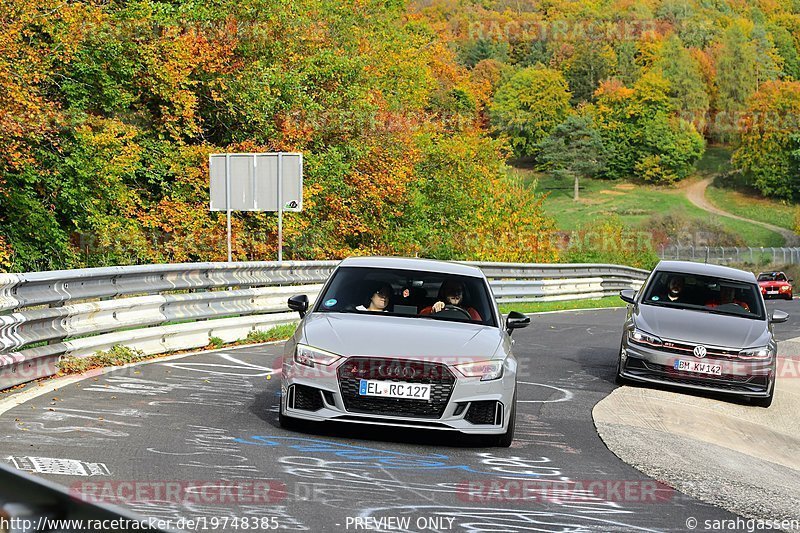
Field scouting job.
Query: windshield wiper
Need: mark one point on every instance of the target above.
(723, 313)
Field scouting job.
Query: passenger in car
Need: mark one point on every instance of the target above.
(451, 292)
(379, 299)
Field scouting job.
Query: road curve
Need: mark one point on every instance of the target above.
(211, 420)
(696, 193)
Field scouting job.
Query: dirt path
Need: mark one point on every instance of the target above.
(696, 193)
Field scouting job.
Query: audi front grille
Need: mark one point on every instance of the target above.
(352, 371)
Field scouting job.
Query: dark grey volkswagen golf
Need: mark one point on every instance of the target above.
(700, 326)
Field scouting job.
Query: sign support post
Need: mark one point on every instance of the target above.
(280, 208)
(228, 200)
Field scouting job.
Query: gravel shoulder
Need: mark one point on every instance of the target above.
(744, 459)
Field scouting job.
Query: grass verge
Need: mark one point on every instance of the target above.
(122, 355)
(542, 307)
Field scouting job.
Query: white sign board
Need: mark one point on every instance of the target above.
(254, 181)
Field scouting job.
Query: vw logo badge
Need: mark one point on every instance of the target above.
(700, 351)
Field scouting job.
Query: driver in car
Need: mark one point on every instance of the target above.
(727, 296)
(451, 293)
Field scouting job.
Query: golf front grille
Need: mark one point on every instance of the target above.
(437, 375)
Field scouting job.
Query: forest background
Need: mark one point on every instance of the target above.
(407, 113)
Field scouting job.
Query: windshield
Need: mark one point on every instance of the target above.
(704, 293)
(410, 293)
(771, 276)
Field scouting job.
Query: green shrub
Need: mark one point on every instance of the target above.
(284, 331)
(216, 342)
(610, 241)
(118, 355)
(672, 228)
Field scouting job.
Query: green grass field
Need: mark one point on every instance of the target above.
(752, 206)
(633, 203)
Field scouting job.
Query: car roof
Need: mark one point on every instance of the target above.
(704, 269)
(407, 263)
(771, 272)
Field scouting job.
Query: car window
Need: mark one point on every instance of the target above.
(704, 293)
(411, 293)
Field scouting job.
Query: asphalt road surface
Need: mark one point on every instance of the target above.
(198, 438)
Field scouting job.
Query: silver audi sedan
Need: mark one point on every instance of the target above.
(703, 327)
(410, 343)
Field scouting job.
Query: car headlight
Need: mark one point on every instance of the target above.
(308, 356)
(642, 337)
(486, 370)
(755, 353)
(785, 288)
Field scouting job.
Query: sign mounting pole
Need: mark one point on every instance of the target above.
(228, 199)
(280, 207)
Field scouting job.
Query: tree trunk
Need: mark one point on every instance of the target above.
(577, 189)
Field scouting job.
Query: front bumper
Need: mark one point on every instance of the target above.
(469, 400)
(739, 377)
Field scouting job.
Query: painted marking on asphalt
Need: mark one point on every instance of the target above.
(567, 394)
(53, 465)
(223, 369)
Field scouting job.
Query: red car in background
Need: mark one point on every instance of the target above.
(775, 285)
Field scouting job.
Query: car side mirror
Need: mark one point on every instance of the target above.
(299, 303)
(791, 280)
(779, 317)
(516, 320)
(628, 295)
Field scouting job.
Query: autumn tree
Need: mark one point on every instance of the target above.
(528, 106)
(737, 71)
(574, 150)
(686, 88)
(769, 149)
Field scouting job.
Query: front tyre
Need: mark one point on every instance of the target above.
(618, 379)
(505, 440)
(288, 422)
(763, 402)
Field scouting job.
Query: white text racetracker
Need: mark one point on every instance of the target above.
(391, 389)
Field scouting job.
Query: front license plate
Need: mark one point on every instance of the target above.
(390, 389)
(772, 292)
(698, 368)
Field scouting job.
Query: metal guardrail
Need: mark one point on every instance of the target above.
(727, 255)
(164, 308)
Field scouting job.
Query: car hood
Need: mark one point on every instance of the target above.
(400, 337)
(702, 328)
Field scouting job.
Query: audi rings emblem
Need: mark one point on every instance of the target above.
(700, 351)
(396, 372)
